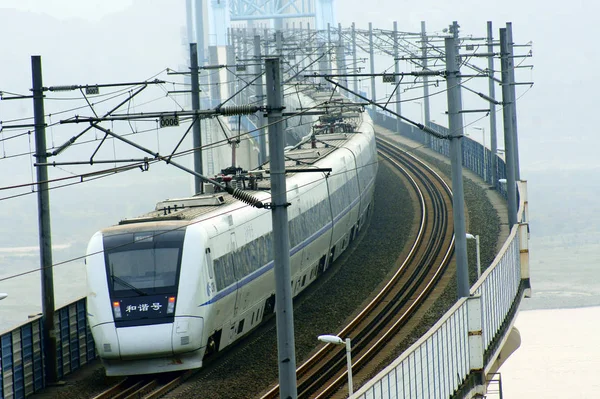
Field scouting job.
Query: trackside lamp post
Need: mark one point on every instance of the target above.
(334, 339)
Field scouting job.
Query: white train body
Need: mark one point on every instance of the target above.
(171, 287)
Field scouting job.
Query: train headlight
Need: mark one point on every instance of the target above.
(117, 309)
(171, 305)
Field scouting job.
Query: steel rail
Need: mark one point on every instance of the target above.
(373, 346)
(335, 361)
(150, 386)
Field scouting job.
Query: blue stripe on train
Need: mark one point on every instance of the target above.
(259, 272)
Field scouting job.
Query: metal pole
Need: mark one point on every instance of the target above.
(513, 98)
(484, 155)
(341, 57)
(349, 362)
(323, 69)
(189, 21)
(199, 8)
(492, 94)
(372, 59)
(262, 139)
(478, 256)
(199, 11)
(456, 132)
(279, 50)
(45, 234)
(197, 129)
(245, 93)
(215, 77)
(281, 243)
(329, 58)
(266, 36)
(354, 59)
(397, 70)
(426, 114)
(230, 74)
(309, 50)
(511, 188)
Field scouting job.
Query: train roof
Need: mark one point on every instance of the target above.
(302, 156)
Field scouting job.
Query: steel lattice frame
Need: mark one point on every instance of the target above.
(243, 10)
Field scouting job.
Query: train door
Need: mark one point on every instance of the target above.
(211, 287)
(232, 249)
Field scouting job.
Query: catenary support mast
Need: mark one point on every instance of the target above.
(281, 240)
(492, 94)
(509, 153)
(45, 234)
(455, 123)
(197, 131)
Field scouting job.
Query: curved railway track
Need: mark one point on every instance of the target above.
(373, 330)
(147, 386)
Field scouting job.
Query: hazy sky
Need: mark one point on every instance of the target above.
(552, 117)
(91, 10)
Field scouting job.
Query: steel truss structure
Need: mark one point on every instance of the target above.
(244, 10)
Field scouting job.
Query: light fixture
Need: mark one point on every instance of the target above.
(334, 339)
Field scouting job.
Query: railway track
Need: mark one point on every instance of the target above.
(324, 374)
(374, 329)
(146, 387)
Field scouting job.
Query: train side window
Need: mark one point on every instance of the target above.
(209, 263)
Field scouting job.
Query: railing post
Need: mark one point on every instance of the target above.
(524, 256)
(475, 325)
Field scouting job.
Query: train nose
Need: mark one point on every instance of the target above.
(141, 341)
(183, 335)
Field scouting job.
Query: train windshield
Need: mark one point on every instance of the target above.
(145, 263)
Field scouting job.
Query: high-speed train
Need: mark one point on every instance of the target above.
(168, 289)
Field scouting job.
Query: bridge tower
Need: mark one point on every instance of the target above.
(210, 19)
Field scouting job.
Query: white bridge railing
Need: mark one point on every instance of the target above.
(453, 357)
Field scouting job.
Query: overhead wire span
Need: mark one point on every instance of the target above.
(243, 205)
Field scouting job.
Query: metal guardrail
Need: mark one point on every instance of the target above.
(475, 156)
(451, 359)
(21, 351)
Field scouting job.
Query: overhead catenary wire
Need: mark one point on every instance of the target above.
(157, 159)
(241, 206)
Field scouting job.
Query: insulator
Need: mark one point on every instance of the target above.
(238, 110)
(62, 88)
(244, 197)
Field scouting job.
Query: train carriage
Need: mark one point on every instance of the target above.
(172, 287)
